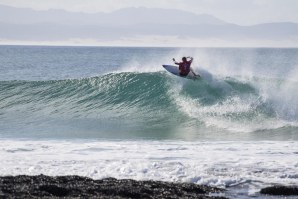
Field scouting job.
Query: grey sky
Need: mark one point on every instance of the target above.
(243, 12)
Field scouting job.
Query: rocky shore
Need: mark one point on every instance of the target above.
(82, 187)
(280, 190)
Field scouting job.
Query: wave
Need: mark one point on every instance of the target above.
(154, 100)
(108, 92)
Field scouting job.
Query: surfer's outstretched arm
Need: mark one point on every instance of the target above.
(177, 63)
(191, 70)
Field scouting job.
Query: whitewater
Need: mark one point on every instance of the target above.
(115, 112)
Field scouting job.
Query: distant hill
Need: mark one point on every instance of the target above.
(126, 16)
(22, 24)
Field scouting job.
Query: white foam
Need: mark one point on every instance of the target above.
(276, 79)
(230, 114)
(142, 66)
(221, 164)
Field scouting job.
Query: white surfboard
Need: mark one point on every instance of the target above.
(175, 70)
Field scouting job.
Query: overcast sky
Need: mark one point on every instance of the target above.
(242, 12)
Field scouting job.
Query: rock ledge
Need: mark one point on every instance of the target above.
(75, 186)
(280, 190)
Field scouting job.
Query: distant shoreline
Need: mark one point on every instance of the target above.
(132, 46)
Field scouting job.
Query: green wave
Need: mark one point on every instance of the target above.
(116, 90)
(141, 101)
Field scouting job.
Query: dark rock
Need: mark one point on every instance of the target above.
(54, 190)
(280, 190)
(76, 186)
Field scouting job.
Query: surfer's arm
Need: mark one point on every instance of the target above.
(177, 63)
(194, 72)
(190, 61)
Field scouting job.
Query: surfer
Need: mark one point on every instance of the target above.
(184, 66)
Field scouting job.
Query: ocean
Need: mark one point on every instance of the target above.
(115, 112)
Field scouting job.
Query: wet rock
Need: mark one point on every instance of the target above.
(76, 186)
(280, 190)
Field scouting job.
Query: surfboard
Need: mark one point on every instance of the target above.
(175, 70)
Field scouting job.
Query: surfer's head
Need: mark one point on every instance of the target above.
(183, 58)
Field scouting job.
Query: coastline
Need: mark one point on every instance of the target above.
(23, 186)
(73, 186)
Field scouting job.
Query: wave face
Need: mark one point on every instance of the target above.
(148, 104)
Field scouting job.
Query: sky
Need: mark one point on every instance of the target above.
(241, 12)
